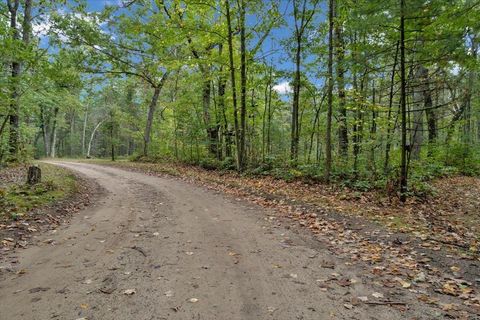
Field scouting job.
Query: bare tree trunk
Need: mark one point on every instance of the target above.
(430, 113)
(266, 110)
(44, 132)
(315, 123)
(84, 130)
(72, 131)
(92, 136)
(467, 116)
(232, 80)
(296, 98)
(302, 19)
(222, 84)
(328, 140)
(53, 149)
(403, 108)
(243, 85)
(151, 113)
(419, 104)
(53, 137)
(212, 130)
(342, 119)
(15, 75)
(27, 21)
(373, 132)
(269, 120)
(16, 70)
(112, 153)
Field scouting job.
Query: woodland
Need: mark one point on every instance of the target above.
(363, 94)
(239, 159)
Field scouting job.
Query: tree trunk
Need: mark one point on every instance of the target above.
(315, 124)
(296, 97)
(16, 71)
(419, 91)
(389, 115)
(112, 151)
(92, 136)
(243, 85)
(430, 112)
(342, 108)
(269, 120)
(14, 94)
(27, 21)
(53, 136)
(403, 108)
(151, 113)
(373, 132)
(234, 89)
(44, 128)
(328, 140)
(84, 130)
(222, 83)
(72, 132)
(212, 129)
(266, 112)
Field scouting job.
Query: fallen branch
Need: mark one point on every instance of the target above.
(448, 243)
(386, 303)
(139, 250)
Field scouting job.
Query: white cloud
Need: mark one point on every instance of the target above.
(41, 28)
(283, 88)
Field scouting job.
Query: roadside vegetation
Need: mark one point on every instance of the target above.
(17, 198)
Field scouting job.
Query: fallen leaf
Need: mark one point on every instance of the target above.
(454, 268)
(344, 282)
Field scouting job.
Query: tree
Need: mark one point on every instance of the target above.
(328, 142)
(303, 16)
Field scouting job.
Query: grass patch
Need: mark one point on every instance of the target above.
(19, 198)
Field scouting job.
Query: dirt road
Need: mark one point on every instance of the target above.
(182, 252)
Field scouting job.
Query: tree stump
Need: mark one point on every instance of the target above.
(34, 175)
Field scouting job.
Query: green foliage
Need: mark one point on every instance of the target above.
(96, 84)
(18, 199)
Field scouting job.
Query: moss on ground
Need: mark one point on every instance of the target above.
(19, 198)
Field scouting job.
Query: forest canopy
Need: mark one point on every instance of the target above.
(369, 94)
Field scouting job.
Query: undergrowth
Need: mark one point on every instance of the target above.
(19, 198)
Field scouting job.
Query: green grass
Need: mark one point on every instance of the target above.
(17, 199)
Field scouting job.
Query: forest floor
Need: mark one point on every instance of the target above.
(167, 241)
